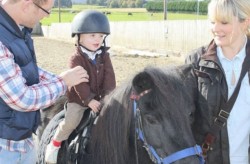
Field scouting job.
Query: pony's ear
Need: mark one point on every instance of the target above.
(142, 82)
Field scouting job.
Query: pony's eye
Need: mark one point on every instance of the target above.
(151, 119)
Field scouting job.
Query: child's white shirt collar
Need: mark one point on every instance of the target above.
(91, 54)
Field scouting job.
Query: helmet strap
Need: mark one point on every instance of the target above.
(87, 48)
(78, 39)
(78, 43)
(104, 41)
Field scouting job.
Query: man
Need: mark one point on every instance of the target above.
(24, 87)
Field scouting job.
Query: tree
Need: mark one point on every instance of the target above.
(114, 4)
(63, 3)
(139, 3)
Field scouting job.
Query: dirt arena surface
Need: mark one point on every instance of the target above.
(53, 56)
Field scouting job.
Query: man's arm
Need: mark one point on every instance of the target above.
(15, 93)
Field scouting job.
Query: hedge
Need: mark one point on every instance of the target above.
(181, 6)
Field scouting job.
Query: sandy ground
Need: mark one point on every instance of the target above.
(53, 55)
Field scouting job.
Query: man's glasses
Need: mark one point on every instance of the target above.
(46, 11)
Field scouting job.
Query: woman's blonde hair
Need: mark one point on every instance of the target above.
(225, 10)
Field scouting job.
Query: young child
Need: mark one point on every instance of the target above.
(91, 28)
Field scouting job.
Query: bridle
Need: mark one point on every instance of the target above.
(192, 151)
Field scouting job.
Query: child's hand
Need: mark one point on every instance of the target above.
(94, 105)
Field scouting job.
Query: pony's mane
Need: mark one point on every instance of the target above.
(168, 84)
(114, 120)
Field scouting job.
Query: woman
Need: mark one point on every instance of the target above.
(217, 68)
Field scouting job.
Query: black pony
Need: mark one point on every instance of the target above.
(145, 120)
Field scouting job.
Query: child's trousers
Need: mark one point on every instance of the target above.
(73, 116)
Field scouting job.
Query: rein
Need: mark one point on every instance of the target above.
(195, 150)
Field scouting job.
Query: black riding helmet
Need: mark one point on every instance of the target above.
(90, 21)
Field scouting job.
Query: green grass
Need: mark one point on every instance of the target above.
(121, 14)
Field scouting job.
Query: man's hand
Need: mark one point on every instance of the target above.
(74, 76)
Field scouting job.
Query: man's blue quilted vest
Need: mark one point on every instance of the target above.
(15, 125)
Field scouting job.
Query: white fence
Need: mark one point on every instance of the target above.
(156, 36)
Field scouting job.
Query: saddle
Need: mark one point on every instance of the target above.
(76, 145)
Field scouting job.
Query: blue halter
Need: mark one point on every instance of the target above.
(195, 150)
